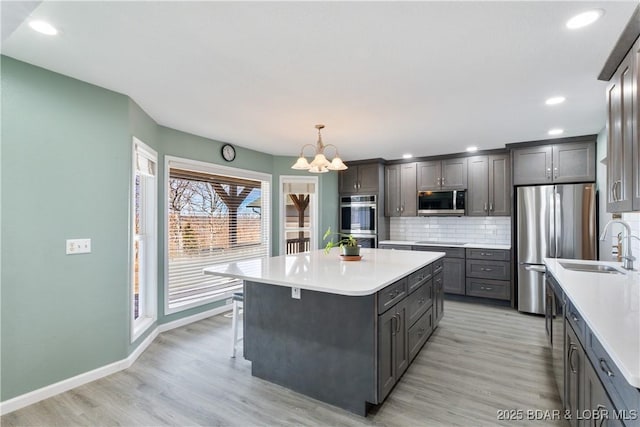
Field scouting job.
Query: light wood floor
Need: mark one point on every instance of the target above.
(481, 359)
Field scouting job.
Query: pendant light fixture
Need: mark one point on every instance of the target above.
(320, 164)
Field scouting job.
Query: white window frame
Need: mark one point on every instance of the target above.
(148, 257)
(214, 169)
(313, 243)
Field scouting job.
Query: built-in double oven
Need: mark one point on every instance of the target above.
(359, 217)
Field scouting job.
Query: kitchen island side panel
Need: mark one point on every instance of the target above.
(322, 345)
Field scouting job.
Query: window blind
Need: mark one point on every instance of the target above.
(212, 218)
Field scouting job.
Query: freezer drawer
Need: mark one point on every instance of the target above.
(530, 290)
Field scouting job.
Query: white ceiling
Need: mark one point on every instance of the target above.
(384, 77)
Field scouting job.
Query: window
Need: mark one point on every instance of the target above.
(144, 241)
(215, 214)
(298, 213)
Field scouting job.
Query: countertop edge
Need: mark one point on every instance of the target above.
(505, 247)
(371, 291)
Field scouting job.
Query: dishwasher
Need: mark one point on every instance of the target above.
(554, 325)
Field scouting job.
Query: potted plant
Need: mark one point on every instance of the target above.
(348, 244)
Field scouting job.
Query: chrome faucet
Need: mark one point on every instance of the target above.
(627, 256)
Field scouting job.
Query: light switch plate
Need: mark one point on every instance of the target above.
(295, 293)
(78, 246)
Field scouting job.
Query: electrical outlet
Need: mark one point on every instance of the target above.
(78, 246)
(295, 293)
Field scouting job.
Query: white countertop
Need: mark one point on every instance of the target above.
(610, 306)
(322, 272)
(446, 244)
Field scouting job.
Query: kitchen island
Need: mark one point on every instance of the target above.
(339, 331)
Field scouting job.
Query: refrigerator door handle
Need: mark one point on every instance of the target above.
(537, 268)
(551, 238)
(558, 226)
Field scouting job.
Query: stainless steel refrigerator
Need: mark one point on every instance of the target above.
(553, 221)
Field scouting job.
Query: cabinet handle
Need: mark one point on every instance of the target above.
(402, 208)
(613, 191)
(486, 288)
(398, 322)
(548, 173)
(574, 317)
(486, 269)
(619, 190)
(355, 186)
(421, 331)
(555, 173)
(394, 328)
(421, 301)
(485, 207)
(486, 254)
(572, 348)
(490, 206)
(605, 368)
(438, 181)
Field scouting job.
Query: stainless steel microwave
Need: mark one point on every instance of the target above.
(441, 202)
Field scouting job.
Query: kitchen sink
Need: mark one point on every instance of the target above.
(590, 268)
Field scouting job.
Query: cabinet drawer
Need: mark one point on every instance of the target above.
(419, 302)
(576, 321)
(419, 277)
(419, 333)
(486, 288)
(623, 395)
(391, 295)
(437, 266)
(488, 254)
(398, 247)
(450, 252)
(497, 270)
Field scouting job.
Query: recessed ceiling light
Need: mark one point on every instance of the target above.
(556, 132)
(407, 156)
(472, 149)
(555, 100)
(43, 27)
(585, 18)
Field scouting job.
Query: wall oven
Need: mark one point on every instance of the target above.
(359, 217)
(441, 202)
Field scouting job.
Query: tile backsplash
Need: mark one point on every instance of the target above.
(465, 229)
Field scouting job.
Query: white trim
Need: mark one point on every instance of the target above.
(148, 298)
(316, 211)
(51, 390)
(215, 169)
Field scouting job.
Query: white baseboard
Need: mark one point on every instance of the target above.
(51, 390)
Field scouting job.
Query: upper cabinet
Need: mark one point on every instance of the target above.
(401, 196)
(622, 125)
(489, 191)
(555, 163)
(450, 174)
(361, 179)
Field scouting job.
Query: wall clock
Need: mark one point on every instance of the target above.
(228, 152)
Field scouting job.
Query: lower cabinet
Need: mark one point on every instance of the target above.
(596, 402)
(438, 299)
(453, 267)
(573, 373)
(419, 333)
(590, 397)
(393, 347)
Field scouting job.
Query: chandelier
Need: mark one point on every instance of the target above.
(320, 164)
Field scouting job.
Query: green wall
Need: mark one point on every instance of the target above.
(65, 173)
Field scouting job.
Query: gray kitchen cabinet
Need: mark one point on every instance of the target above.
(596, 400)
(574, 162)
(555, 163)
(360, 179)
(488, 273)
(449, 174)
(532, 165)
(453, 267)
(438, 298)
(393, 347)
(419, 333)
(489, 189)
(622, 123)
(573, 375)
(401, 196)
